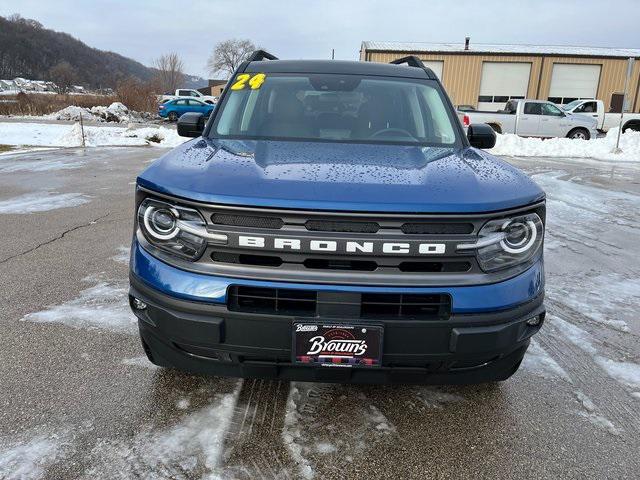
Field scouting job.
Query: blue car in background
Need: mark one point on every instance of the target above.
(173, 109)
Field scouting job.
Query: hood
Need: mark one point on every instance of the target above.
(340, 176)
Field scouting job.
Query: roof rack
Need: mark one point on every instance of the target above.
(414, 61)
(261, 55)
(410, 60)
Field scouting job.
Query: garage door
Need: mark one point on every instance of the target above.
(436, 66)
(570, 82)
(502, 81)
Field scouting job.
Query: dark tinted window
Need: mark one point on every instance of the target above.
(485, 98)
(533, 108)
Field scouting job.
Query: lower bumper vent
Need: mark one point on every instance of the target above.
(315, 303)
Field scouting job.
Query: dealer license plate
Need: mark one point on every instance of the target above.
(337, 345)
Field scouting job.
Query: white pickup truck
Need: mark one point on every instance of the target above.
(534, 118)
(188, 93)
(606, 120)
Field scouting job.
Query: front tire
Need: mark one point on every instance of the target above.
(579, 133)
(173, 116)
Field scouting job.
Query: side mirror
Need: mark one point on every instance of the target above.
(191, 124)
(481, 135)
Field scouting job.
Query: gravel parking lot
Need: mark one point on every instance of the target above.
(79, 400)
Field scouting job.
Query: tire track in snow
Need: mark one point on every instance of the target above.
(258, 418)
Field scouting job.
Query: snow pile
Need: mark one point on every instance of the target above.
(118, 136)
(162, 136)
(116, 112)
(71, 113)
(35, 134)
(598, 148)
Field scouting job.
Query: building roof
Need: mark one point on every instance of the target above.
(489, 48)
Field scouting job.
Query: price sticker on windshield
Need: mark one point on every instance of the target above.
(253, 81)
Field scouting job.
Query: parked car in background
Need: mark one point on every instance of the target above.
(187, 93)
(606, 120)
(173, 109)
(534, 118)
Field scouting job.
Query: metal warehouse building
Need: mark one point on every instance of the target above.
(486, 76)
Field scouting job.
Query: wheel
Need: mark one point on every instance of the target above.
(173, 116)
(635, 126)
(581, 133)
(496, 127)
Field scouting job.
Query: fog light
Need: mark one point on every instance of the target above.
(139, 304)
(534, 321)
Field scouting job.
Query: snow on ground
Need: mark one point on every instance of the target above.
(123, 255)
(34, 164)
(28, 459)
(192, 448)
(41, 202)
(598, 148)
(624, 372)
(54, 135)
(601, 298)
(142, 362)
(539, 362)
(104, 306)
(434, 397)
(590, 412)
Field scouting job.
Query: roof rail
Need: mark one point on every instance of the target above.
(414, 61)
(260, 55)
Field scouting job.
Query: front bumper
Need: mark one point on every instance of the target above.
(196, 332)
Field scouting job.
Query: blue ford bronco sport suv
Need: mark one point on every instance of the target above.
(332, 222)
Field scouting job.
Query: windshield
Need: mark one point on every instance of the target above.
(338, 108)
(570, 105)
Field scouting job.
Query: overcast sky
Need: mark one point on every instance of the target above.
(144, 29)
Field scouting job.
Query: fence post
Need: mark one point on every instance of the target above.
(82, 129)
(627, 80)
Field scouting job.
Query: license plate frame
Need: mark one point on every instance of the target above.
(341, 344)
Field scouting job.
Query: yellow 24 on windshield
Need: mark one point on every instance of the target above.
(244, 79)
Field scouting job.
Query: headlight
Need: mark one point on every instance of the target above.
(507, 242)
(175, 229)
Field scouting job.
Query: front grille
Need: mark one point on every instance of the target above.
(348, 227)
(351, 248)
(273, 223)
(433, 228)
(314, 303)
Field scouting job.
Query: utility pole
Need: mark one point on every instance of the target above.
(333, 54)
(624, 102)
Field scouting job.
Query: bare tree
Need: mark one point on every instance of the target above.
(63, 75)
(170, 71)
(227, 55)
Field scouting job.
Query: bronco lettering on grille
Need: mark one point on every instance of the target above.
(342, 246)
